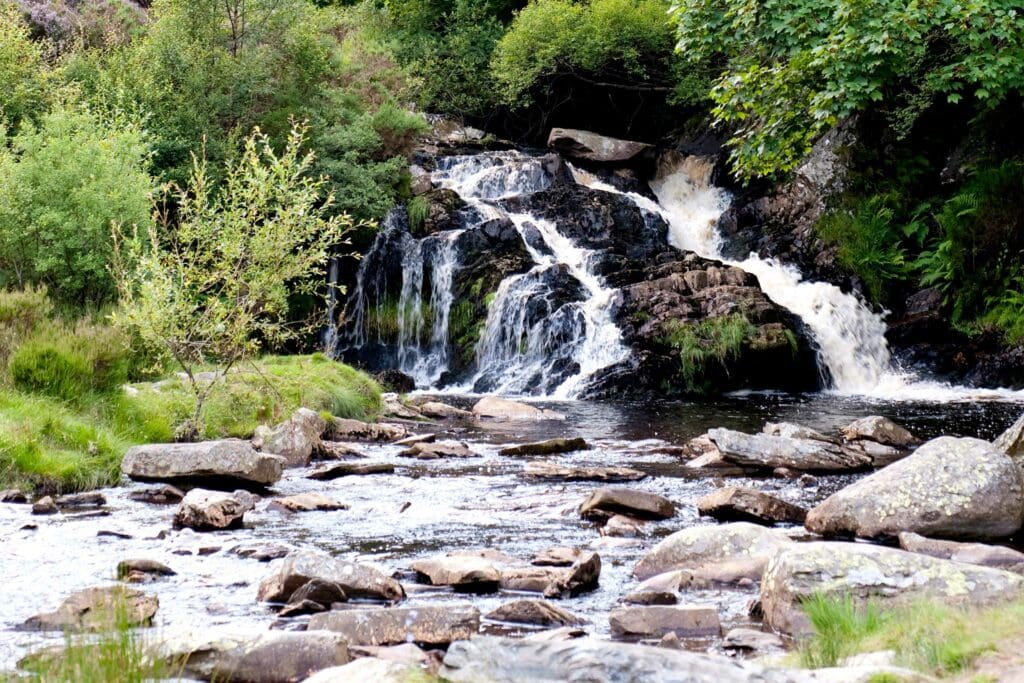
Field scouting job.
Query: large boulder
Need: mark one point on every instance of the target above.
(204, 510)
(95, 609)
(707, 545)
(740, 503)
(868, 572)
(430, 625)
(502, 409)
(357, 580)
(770, 452)
(228, 461)
(295, 440)
(950, 488)
(605, 502)
(582, 144)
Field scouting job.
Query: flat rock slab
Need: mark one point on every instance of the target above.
(349, 469)
(89, 499)
(549, 447)
(695, 547)
(743, 504)
(997, 556)
(217, 462)
(95, 609)
(765, 451)
(341, 429)
(502, 409)
(555, 472)
(752, 639)
(306, 502)
(869, 572)
(443, 411)
(948, 488)
(438, 449)
(430, 625)
(535, 613)
(474, 574)
(244, 656)
(204, 510)
(605, 502)
(655, 621)
(359, 581)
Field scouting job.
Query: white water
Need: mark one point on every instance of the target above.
(849, 335)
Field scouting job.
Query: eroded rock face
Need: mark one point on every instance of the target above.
(204, 510)
(431, 625)
(655, 621)
(608, 501)
(740, 503)
(863, 571)
(96, 609)
(949, 488)
(582, 144)
(770, 452)
(295, 440)
(226, 461)
(356, 580)
(705, 545)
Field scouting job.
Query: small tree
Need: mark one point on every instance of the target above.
(213, 288)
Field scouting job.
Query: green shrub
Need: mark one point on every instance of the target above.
(27, 78)
(43, 367)
(22, 312)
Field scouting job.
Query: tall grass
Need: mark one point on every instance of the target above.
(706, 346)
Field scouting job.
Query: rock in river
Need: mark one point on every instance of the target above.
(740, 503)
(143, 566)
(769, 452)
(582, 144)
(216, 462)
(864, 572)
(604, 502)
(494, 408)
(654, 621)
(950, 488)
(295, 440)
(972, 553)
(705, 545)
(204, 510)
(470, 574)
(348, 469)
(554, 582)
(533, 612)
(438, 449)
(880, 430)
(158, 495)
(443, 411)
(431, 625)
(341, 429)
(554, 471)
(356, 580)
(306, 502)
(97, 608)
(549, 447)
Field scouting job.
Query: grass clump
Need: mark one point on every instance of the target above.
(706, 346)
(926, 635)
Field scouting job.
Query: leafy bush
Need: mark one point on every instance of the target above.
(706, 346)
(62, 184)
(24, 73)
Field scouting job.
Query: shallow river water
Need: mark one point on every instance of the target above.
(430, 508)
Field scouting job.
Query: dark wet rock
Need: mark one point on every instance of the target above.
(88, 499)
(298, 608)
(706, 545)
(650, 598)
(438, 449)
(359, 581)
(340, 429)
(549, 447)
(752, 639)
(347, 469)
(243, 656)
(604, 502)
(443, 411)
(654, 621)
(306, 502)
(534, 612)
(868, 572)
(317, 590)
(503, 409)
(743, 504)
(295, 440)
(444, 209)
(215, 462)
(204, 510)
(395, 381)
(470, 574)
(113, 533)
(13, 496)
(44, 506)
(881, 430)
(143, 566)
(429, 625)
(263, 552)
(557, 472)
(996, 556)
(582, 144)
(623, 526)
(158, 495)
(766, 451)
(558, 556)
(949, 488)
(556, 582)
(97, 608)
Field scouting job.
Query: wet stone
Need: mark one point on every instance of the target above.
(549, 447)
(743, 504)
(347, 469)
(658, 620)
(158, 495)
(470, 574)
(143, 566)
(96, 608)
(438, 449)
(13, 496)
(306, 502)
(430, 625)
(262, 552)
(651, 598)
(556, 472)
(604, 502)
(44, 506)
(533, 612)
(558, 556)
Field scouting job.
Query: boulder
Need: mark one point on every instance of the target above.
(341, 429)
(622, 526)
(971, 553)
(752, 639)
(336, 450)
(1011, 441)
(250, 656)
(429, 625)
(868, 572)
(494, 408)
(158, 495)
(582, 144)
(438, 449)
(443, 411)
(262, 552)
(549, 447)
(554, 471)
(356, 580)
(368, 670)
(879, 430)
(95, 609)
(295, 440)
(769, 452)
(740, 503)
(794, 431)
(14, 496)
(557, 556)
(392, 406)
(535, 613)
(650, 598)
(143, 566)
(705, 545)
(346, 469)
(950, 487)
(89, 499)
(306, 502)
(229, 461)
(604, 502)
(654, 621)
(555, 582)
(471, 574)
(45, 506)
(325, 593)
(204, 510)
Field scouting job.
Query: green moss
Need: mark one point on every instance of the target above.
(706, 346)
